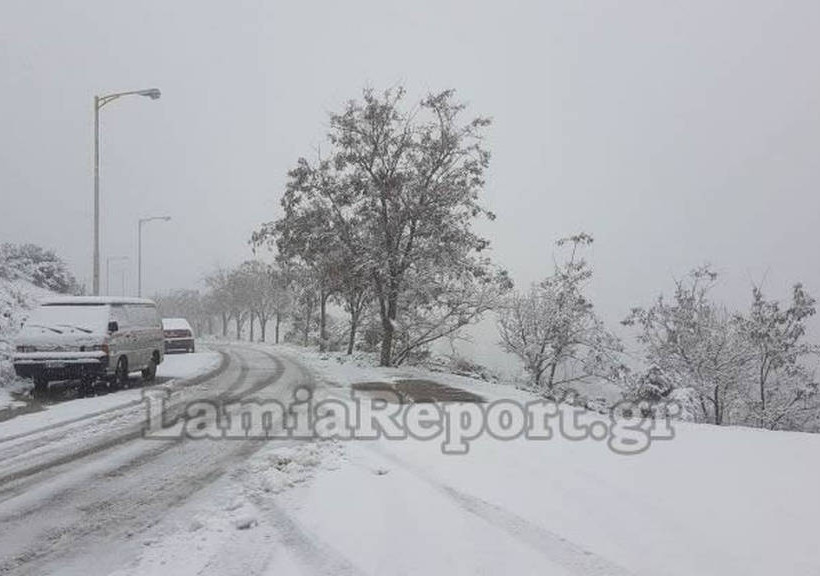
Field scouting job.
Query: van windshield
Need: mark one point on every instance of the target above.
(70, 318)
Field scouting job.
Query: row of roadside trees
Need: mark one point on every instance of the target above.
(238, 301)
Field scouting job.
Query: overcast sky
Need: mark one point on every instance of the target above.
(676, 133)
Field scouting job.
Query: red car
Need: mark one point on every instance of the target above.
(179, 336)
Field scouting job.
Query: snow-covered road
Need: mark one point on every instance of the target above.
(89, 495)
(75, 492)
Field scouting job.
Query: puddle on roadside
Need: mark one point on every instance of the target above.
(416, 391)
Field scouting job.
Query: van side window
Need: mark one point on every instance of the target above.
(143, 315)
(135, 313)
(153, 317)
(119, 314)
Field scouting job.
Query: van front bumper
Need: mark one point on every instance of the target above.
(68, 366)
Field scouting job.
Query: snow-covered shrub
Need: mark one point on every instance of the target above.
(652, 386)
(41, 267)
(17, 297)
(456, 363)
(754, 368)
(687, 401)
(555, 332)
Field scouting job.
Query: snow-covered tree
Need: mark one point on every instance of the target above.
(399, 193)
(354, 294)
(37, 265)
(697, 344)
(265, 293)
(438, 304)
(220, 297)
(554, 330)
(783, 391)
(240, 290)
(306, 239)
(304, 302)
(741, 368)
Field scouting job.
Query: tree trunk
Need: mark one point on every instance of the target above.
(238, 328)
(387, 342)
(306, 335)
(263, 322)
(251, 335)
(551, 381)
(351, 342)
(278, 320)
(224, 325)
(538, 373)
(323, 296)
(388, 328)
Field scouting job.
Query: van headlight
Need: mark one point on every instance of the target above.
(25, 349)
(100, 348)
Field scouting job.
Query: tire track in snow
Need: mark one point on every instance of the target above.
(177, 383)
(311, 551)
(132, 433)
(574, 558)
(119, 509)
(558, 549)
(136, 432)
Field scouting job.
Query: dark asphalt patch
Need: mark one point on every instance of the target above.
(416, 391)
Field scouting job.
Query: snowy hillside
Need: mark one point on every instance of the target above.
(17, 297)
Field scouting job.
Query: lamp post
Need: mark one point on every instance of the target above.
(139, 248)
(99, 102)
(108, 271)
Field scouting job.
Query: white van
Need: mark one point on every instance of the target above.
(89, 338)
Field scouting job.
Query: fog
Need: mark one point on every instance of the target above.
(675, 133)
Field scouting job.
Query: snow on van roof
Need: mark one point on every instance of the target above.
(175, 324)
(93, 300)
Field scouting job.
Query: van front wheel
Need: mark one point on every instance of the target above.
(120, 379)
(40, 387)
(150, 373)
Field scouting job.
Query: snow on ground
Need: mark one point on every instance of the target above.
(175, 367)
(713, 501)
(187, 365)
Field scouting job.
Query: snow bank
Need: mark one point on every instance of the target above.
(281, 468)
(714, 500)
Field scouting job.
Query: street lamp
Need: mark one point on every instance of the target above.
(99, 102)
(139, 248)
(108, 271)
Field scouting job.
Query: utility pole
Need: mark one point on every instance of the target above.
(99, 102)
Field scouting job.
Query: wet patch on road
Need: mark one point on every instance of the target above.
(65, 391)
(416, 391)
